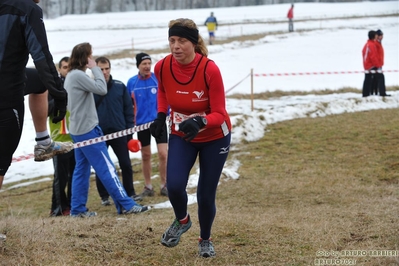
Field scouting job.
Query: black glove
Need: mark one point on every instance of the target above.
(50, 106)
(60, 107)
(156, 128)
(191, 127)
(49, 79)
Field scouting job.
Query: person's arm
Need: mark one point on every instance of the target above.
(162, 102)
(98, 85)
(374, 56)
(217, 99)
(130, 90)
(127, 108)
(36, 40)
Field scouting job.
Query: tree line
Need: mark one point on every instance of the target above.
(56, 8)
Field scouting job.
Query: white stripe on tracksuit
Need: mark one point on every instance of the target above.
(97, 156)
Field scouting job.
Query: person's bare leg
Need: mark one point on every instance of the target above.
(162, 157)
(146, 164)
(38, 105)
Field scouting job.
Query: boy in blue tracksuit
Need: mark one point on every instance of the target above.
(84, 126)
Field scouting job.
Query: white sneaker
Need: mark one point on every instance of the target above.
(44, 153)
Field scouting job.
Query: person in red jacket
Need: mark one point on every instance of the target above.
(370, 62)
(192, 86)
(290, 17)
(378, 83)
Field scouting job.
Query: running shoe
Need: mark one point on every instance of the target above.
(147, 192)
(171, 237)
(137, 198)
(164, 191)
(44, 153)
(136, 209)
(205, 248)
(84, 214)
(105, 202)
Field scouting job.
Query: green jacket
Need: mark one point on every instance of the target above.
(60, 131)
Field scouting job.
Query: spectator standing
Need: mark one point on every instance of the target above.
(192, 85)
(23, 33)
(378, 84)
(290, 16)
(64, 164)
(370, 62)
(115, 113)
(211, 23)
(143, 89)
(84, 126)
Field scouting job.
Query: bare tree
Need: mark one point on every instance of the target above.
(122, 5)
(72, 6)
(202, 4)
(163, 5)
(84, 6)
(134, 2)
(103, 6)
(55, 8)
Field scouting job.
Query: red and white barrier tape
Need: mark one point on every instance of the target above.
(322, 73)
(88, 142)
(114, 135)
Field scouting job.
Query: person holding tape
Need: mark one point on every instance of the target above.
(84, 126)
(191, 84)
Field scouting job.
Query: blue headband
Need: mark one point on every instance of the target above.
(184, 32)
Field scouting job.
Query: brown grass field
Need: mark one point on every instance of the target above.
(308, 187)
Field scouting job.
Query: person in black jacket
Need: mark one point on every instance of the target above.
(23, 33)
(64, 164)
(115, 113)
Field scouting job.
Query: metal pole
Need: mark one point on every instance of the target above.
(252, 89)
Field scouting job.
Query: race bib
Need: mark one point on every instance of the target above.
(177, 118)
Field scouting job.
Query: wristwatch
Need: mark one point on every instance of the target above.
(204, 121)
